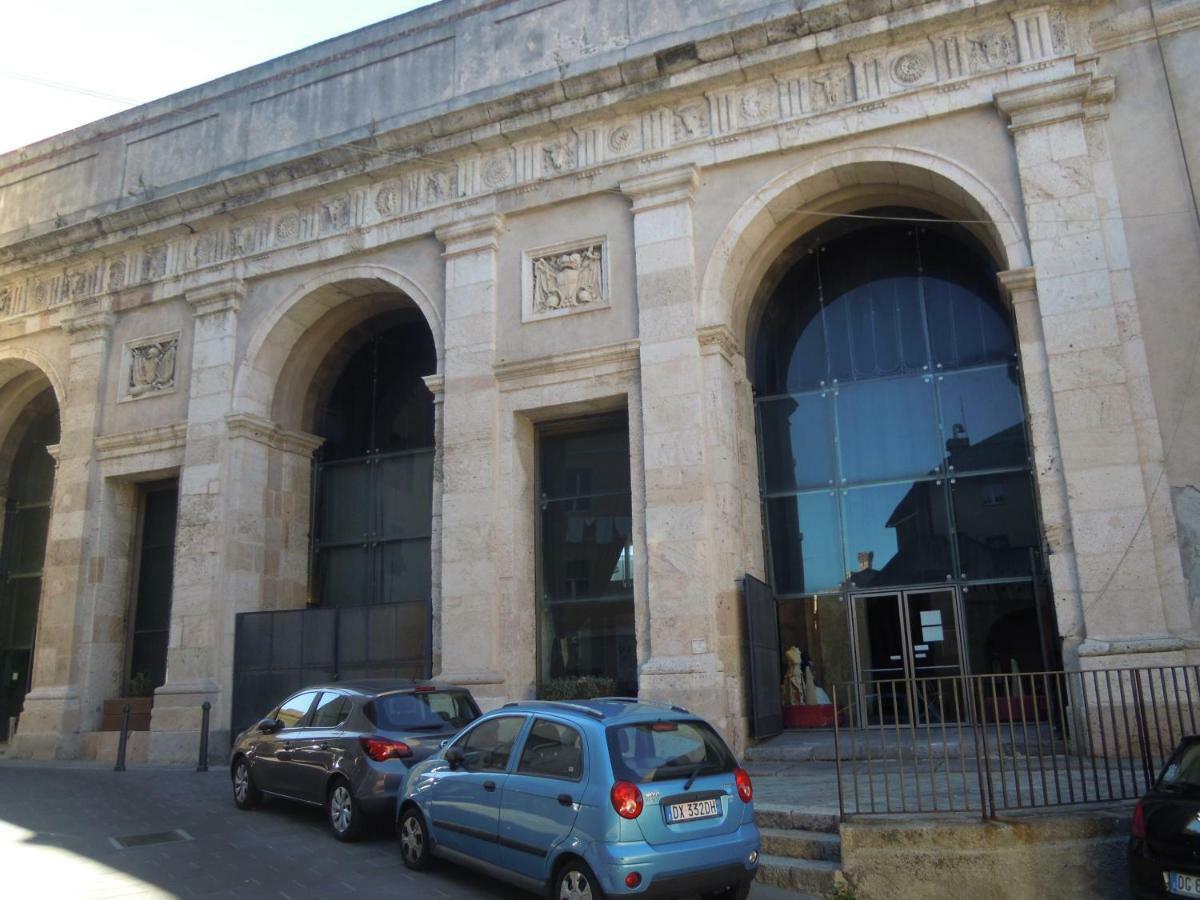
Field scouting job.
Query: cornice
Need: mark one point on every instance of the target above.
(147, 440)
(224, 296)
(1019, 284)
(1144, 23)
(1039, 105)
(719, 339)
(608, 359)
(265, 432)
(662, 188)
(471, 236)
(89, 319)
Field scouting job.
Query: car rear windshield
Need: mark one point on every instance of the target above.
(1184, 768)
(658, 751)
(423, 711)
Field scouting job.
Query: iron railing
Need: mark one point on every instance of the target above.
(993, 743)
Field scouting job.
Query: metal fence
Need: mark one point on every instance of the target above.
(992, 743)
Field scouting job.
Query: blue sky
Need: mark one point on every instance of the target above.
(60, 54)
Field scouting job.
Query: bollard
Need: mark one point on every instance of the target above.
(120, 766)
(202, 765)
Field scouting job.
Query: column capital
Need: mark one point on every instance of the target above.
(719, 339)
(1074, 97)
(436, 384)
(1019, 284)
(662, 188)
(89, 319)
(471, 235)
(223, 296)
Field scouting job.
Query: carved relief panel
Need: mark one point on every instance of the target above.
(150, 366)
(564, 279)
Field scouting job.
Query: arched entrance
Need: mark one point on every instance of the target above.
(902, 531)
(373, 481)
(29, 488)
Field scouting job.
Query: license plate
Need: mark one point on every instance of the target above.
(699, 809)
(1184, 885)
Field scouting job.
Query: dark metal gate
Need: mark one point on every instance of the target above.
(762, 631)
(281, 651)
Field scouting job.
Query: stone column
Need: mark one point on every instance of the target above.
(436, 384)
(1132, 606)
(55, 711)
(678, 655)
(471, 626)
(202, 544)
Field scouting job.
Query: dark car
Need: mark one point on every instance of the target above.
(1164, 848)
(346, 746)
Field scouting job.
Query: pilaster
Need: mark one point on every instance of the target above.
(1132, 599)
(206, 548)
(58, 706)
(470, 608)
(679, 655)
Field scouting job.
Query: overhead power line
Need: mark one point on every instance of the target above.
(72, 88)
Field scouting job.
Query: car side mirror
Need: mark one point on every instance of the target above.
(454, 757)
(269, 725)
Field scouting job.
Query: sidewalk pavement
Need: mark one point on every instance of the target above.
(61, 825)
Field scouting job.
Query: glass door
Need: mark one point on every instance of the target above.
(903, 638)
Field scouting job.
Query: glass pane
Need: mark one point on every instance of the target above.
(934, 637)
(330, 711)
(343, 576)
(590, 638)
(406, 571)
(967, 320)
(22, 597)
(586, 462)
(405, 495)
(983, 418)
(30, 526)
(880, 636)
(155, 571)
(797, 441)
(791, 353)
(293, 710)
(815, 642)
(585, 552)
(552, 751)
(888, 429)
(345, 502)
(996, 518)
(1002, 629)
(489, 746)
(806, 553)
(897, 534)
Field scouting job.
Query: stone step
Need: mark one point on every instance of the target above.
(818, 878)
(768, 815)
(797, 844)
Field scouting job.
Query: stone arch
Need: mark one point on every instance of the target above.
(24, 364)
(747, 254)
(286, 350)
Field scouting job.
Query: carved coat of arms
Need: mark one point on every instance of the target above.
(152, 367)
(569, 279)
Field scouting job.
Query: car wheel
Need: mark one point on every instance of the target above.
(246, 794)
(342, 811)
(575, 881)
(414, 840)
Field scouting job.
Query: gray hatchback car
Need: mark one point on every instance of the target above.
(346, 746)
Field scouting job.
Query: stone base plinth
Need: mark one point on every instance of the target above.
(489, 688)
(49, 725)
(696, 682)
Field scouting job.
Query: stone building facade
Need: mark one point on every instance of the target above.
(559, 224)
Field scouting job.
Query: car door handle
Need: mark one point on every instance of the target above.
(565, 800)
(489, 786)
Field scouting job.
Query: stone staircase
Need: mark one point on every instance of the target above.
(800, 851)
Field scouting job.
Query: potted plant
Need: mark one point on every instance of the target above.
(139, 696)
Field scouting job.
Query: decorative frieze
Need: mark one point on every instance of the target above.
(564, 279)
(150, 365)
(789, 99)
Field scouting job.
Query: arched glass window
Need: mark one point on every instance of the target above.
(890, 417)
(374, 482)
(26, 524)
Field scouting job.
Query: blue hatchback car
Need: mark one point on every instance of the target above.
(583, 800)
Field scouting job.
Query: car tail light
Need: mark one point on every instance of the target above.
(1138, 827)
(626, 800)
(383, 749)
(744, 785)
(424, 689)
